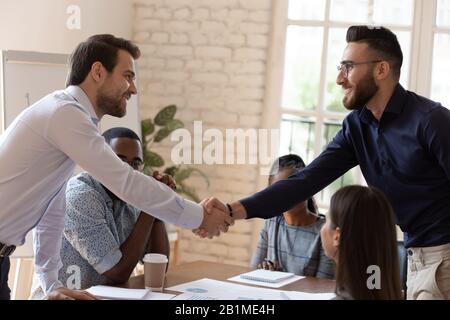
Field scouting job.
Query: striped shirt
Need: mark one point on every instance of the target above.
(297, 248)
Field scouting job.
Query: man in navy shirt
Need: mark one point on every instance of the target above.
(401, 142)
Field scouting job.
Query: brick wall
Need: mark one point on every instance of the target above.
(209, 58)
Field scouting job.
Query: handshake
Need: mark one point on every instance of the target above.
(216, 218)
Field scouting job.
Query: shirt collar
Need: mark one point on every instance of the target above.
(99, 187)
(395, 105)
(80, 96)
(397, 100)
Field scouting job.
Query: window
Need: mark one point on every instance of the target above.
(440, 86)
(305, 96)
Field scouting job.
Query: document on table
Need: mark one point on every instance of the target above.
(114, 293)
(208, 289)
(266, 275)
(298, 295)
(263, 278)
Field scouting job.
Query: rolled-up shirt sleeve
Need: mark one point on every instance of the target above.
(86, 224)
(82, 142)
(47, 242)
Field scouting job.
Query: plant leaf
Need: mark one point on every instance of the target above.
(166, 114)
(147, 170)
(153, 159)
(167, 130)
(171, 170)
(147, 127)
(161, 134)
(174, 124)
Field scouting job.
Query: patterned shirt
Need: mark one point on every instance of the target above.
(297, 248)
(95, 227)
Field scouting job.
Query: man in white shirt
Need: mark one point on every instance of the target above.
(39, 150)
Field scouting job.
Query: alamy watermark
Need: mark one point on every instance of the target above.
(73, 21)
(236, 146)
(374, 280)
(74, 280)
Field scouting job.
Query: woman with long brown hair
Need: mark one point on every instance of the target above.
(360, 236)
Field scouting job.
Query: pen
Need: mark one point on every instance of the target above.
(269, 262)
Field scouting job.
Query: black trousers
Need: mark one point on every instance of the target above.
(5, 292)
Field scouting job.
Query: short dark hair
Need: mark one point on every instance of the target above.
(119, 132)
(102, 48)
(380, 39)
(296, 164)
(289, 161)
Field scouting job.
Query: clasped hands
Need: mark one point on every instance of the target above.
(216, 219)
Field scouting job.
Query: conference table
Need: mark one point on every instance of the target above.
(196, 270)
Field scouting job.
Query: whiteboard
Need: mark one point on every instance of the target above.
(26, 77)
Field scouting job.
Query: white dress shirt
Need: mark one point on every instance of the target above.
(38, 152)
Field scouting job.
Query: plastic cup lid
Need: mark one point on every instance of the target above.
(155, 257)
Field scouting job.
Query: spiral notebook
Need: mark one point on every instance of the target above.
(266, 276)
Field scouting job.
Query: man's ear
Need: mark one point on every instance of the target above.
(336, 237)
(97, 71)
(383, 70)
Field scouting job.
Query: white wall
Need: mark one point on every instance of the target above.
(40, 25)
(209, 57)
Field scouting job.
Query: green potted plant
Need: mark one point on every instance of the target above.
(156, 130)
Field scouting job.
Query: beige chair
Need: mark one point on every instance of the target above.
(173, 234)
(21, 272)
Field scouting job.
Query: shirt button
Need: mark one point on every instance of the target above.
(410, 252)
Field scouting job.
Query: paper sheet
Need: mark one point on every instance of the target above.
(107, 292)
(298, 295)
(208, 289)
(264, 275)
(158, 296)
(266, 284)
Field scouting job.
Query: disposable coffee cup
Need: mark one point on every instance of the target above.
(155, 271)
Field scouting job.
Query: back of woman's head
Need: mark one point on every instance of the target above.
(367, 238)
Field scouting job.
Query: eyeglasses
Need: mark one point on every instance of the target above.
(135, 164)
(346, 67)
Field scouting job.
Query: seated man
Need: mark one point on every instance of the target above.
(104, 237)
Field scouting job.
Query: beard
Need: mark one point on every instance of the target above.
(110, 104)
(362, 93)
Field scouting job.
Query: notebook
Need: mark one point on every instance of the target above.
(266, 276)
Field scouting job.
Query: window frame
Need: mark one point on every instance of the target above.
(422, 31)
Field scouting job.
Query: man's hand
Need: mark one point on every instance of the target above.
(67, 294)
(165, 178)
(216, 219)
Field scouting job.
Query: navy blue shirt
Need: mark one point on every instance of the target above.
(406, 154)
